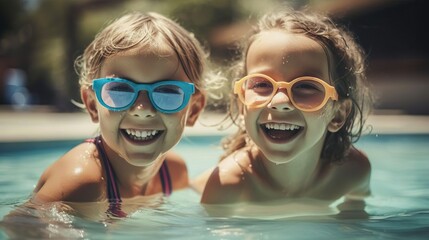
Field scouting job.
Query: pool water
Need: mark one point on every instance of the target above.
(398, 208)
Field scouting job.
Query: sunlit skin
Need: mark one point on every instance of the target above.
(79, 177)
(272, 170)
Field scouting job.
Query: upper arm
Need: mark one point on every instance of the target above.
(225, 184)
(358, 173)
(361, 175)
(57, 188)
(199, 182)
(72, 178)
(219, 191)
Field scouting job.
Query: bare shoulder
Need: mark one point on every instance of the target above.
(178, 170)
(226, 184)
(358, 163)
(76, 177)
(357, 168)
(199, 182)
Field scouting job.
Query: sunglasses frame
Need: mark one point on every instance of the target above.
(330, 91)
(188, 90)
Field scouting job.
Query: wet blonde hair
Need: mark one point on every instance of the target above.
(148, 31)
(347, 70)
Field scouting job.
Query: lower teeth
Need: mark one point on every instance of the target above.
(280, 134)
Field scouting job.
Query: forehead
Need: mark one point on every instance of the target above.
(142, 65)
(288, 54)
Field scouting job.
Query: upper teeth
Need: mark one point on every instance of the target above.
(281, 126)
(142, 133)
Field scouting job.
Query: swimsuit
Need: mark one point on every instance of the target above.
(113, 194)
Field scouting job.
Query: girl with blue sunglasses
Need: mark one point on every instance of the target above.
(141, 80)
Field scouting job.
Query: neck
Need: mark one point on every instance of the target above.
(296, 176)
(132, 180)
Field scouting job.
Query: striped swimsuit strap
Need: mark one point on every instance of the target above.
(113, 194)
(164, 175)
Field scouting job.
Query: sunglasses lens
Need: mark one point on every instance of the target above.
(257, 90)
(117, 94)
(308, 94)
(168, 97)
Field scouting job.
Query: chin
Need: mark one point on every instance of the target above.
(142, 160)
(279, 161)
(279, 157)
(142, 163)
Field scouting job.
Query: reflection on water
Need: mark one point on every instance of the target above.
(41, 221)
(299, 207)
(398, 207)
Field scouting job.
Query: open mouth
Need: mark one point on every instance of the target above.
(281, 132)
(141, 136)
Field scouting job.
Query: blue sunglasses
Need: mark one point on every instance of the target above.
(118, 94)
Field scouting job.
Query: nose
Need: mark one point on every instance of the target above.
(281, 101)
(142, 107)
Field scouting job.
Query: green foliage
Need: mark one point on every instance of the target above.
(56, 32)
(10, 15)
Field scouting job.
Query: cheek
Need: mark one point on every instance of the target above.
(251, 121)
(319, 120)
(327, 113)
(176, 122)
(175, 126)
(109, 121)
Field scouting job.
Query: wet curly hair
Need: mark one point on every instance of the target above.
(347, 69)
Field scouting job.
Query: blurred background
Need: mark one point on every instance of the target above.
(40, 39)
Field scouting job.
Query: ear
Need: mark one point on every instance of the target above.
(340, 115)
(197, 103)
(88, 98)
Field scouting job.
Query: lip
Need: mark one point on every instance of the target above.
(280, 132)
(141, 137)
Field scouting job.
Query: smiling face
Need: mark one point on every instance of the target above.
(281, 131)
(141, 134)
